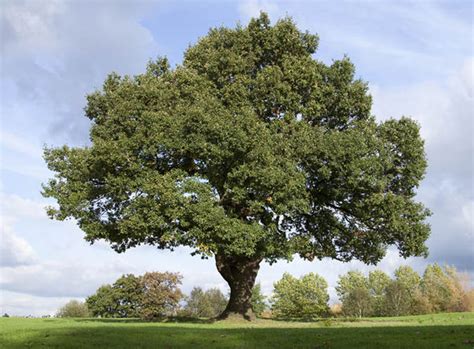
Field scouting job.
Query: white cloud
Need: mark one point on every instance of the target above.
(444, 110)
(14, 250)
(55, 52)
(20, 304)
(14, 207)
(60, 279)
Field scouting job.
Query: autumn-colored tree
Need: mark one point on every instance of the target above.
(444, 289)
(149, 296)
(161, 294)
(251, 150)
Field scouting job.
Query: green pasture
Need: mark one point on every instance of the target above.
(453, 330)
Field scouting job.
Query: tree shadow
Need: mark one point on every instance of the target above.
(172, 320)
(139, 334)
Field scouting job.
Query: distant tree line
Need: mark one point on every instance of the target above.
(156, 295)
(439, 289)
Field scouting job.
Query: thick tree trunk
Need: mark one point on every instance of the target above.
(240, 273)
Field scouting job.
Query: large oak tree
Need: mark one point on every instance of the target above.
(251, 150)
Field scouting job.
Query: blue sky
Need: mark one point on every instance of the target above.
(416, 55)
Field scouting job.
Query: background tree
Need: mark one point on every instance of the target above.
(128, 296)
(121, 300)
(354, 294)
(404, 295)
(161, 294)
(207, 304)
(73, 308)
(443, 288)
(149, 296)
(304, 298)
(378, 283)
(251, 150)
(103, 303)
(258, 300)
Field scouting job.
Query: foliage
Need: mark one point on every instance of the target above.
(123, 299)
(336, 310)
(249, 150)
(104, 303)
(354, 294)
(208, 304)
(73, 308)
(443, 288)
(304, 298)
(404, 296)
(378, 283)
(151, 295)
(258, 300)
(161, 294)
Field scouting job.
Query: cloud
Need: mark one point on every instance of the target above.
(14, 250)
(14, 208)
(55, 52)
(20, 304)
(444, 111)
(59, 279)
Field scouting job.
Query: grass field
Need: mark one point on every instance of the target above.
(454, 330)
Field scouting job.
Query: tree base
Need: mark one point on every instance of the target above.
(234, 316)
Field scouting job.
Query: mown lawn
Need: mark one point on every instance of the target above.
(454, 330)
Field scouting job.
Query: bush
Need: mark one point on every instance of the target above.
(304, 298)
(74, 309)
(336, 310)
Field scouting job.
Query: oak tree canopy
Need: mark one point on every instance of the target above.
(251, 150)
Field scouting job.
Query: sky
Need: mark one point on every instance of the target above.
(417, 57)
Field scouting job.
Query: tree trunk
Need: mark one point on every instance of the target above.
(240, 273)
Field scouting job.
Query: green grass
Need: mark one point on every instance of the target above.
(454, 330)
